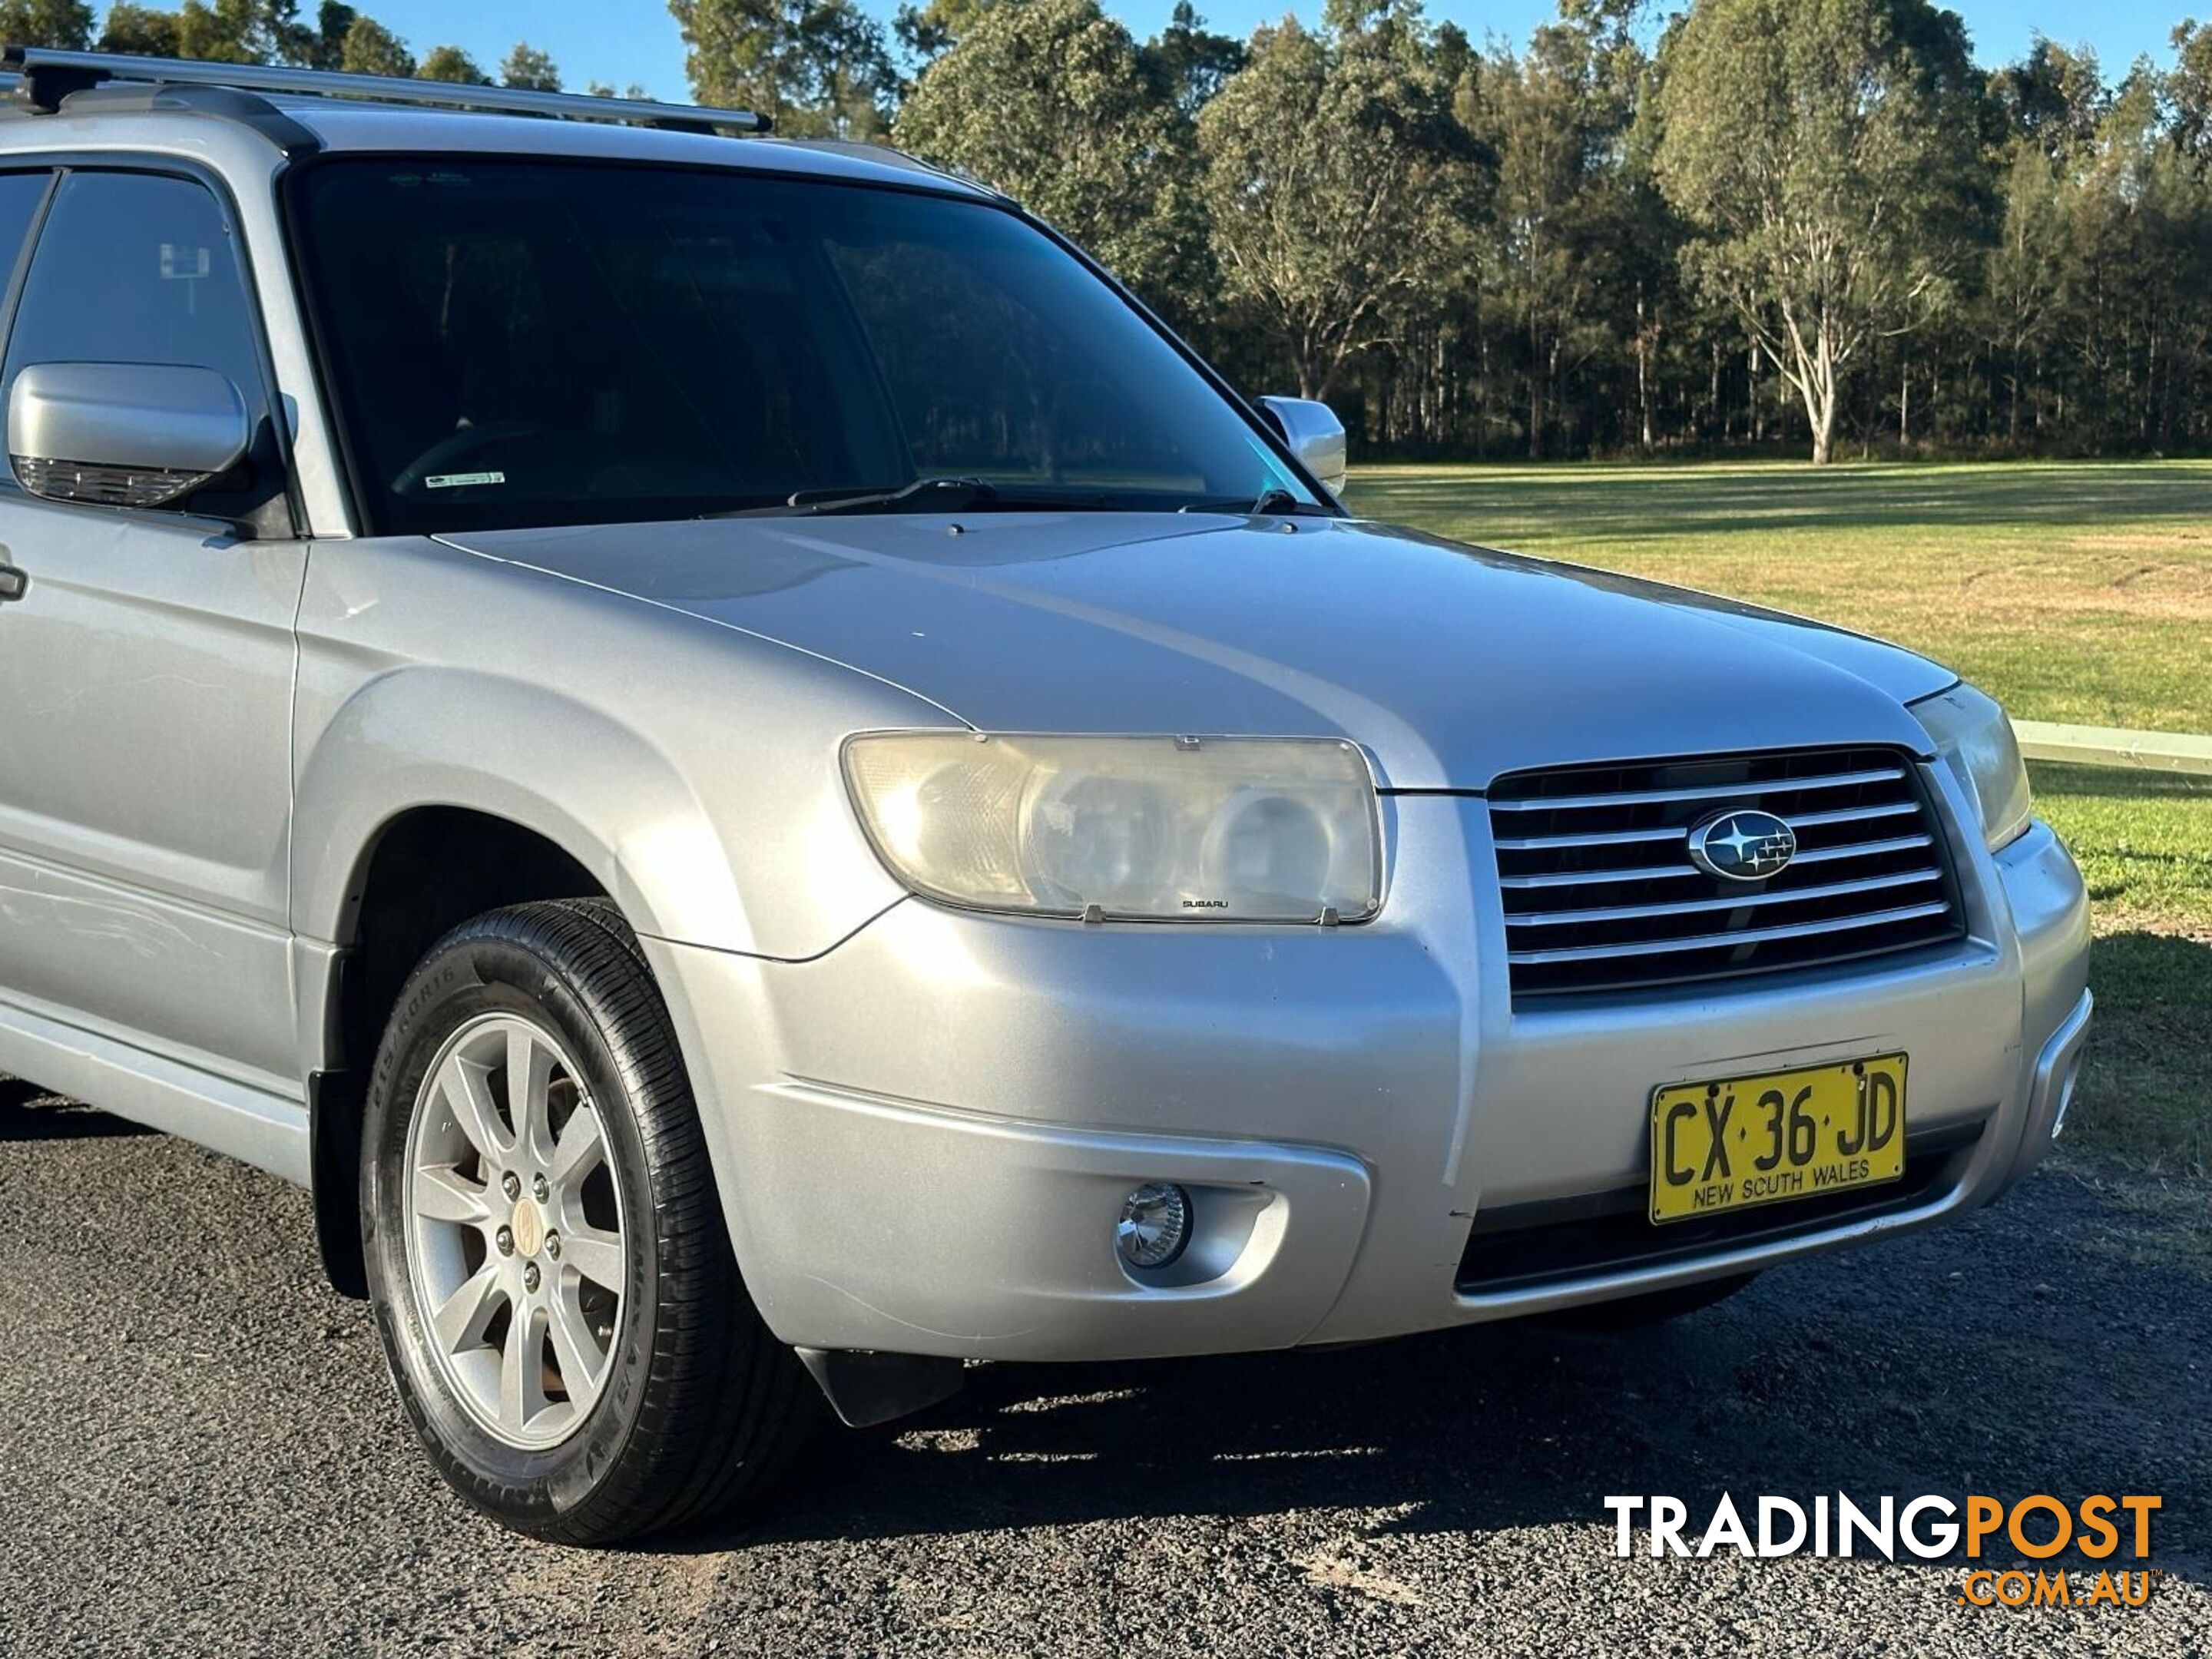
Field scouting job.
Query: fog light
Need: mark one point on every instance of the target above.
(1155, 1224)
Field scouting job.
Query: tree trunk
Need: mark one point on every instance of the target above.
(1554, 397)
(1818, 391)
(1819, 388)
(1713, 412)
(1642, 380)
(1535, 390)
(1822, 412)
(1758, 410)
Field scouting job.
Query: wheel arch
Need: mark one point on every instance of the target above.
(520, 753)
(558, 799)
(428, 793)
(427, 869)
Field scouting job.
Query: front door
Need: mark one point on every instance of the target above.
(146, 667)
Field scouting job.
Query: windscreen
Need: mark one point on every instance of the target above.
(532, 343)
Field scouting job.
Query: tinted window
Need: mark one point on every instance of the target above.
(1006, 379)
(135, 269)
(531, 342)
(20, 196)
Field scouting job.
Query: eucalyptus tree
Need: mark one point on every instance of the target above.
(1829, 154)
(1055, 103)
(226, 32)
(1339, 189)
(932, 28)
(217, 31)
(323, 45)
(148, 30)
(1193, 62)
(371, 49)
(820, 67)
(450, 63)
(529, 70)
(1558, 262)
(2054, 97)
(2053, 104)
(63, 23)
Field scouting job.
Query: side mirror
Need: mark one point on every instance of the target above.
(124, 434)
(1314, 434)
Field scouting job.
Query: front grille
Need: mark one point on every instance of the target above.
(1601, 894)
(1525, 1246)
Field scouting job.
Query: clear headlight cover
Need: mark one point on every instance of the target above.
(1135, 828)
(1976, 741)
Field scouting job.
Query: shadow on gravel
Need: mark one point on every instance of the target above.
(29, 1113)
(2008, 1355)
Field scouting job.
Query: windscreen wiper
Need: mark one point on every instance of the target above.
(921, 494)
(1274, 502)
(924, 495)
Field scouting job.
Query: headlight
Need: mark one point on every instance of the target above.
(1195, 829)
(1976, 742)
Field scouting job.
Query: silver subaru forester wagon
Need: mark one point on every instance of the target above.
(771, 791)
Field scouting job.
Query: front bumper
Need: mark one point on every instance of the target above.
(924, 1138)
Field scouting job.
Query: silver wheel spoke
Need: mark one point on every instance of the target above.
(460, 1320)
(522, 1371)
(583, 1366)
(582, 1148)
(596, 1254)
(466, 1090)
(444, 1195)
(528, 1080)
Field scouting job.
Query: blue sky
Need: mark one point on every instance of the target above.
(625, 40)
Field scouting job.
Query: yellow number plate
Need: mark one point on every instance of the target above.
(1748, 1141)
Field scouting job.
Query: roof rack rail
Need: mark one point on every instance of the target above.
(48, 75)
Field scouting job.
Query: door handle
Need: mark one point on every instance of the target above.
(14, 584)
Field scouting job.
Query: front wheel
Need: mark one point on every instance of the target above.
(552, 1280)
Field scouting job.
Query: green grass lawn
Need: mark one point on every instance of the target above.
(2072, 591)
(2145, 844)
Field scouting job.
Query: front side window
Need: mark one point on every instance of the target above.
(138, 268)
(515, 343)
(141, 269)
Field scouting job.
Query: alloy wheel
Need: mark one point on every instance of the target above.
(515, 1245)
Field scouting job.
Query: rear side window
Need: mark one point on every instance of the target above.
(133, 268)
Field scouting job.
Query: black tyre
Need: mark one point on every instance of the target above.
(544, 1236)
(1630, 1313)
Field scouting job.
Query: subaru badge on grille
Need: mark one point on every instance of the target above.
(1743, 844)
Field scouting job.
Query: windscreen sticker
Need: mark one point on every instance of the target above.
(462, 480)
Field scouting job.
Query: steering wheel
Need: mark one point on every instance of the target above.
(443, 455)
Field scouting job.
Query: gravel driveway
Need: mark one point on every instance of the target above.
(199, 1453)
